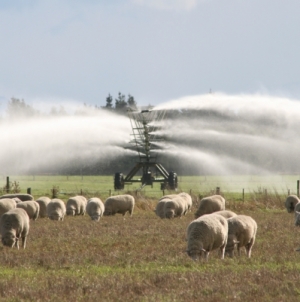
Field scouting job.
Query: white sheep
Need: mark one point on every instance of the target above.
(43, 202)
(174, 206)
(95, 208)
(76, 205)
(7, 204)
(291, 202)
(119, 204)
(241, 233)
(21, 196)
(205, 234)
(14, 225)
(56, 209)
(210, 204)
(31, 207)
(160, 210)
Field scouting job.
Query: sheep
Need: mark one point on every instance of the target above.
(13, 225)
(174, 207)
(297, 212)
(76, 205)
(43, 202)
(7, 204)
(95, 208)
(56, 209)
(31, 207)
(242, 233)
(210, 204)
(205, 234)
(225, 213)
(119, 204)
(291, 202)
(21, 196)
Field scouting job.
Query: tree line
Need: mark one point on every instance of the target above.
(19, 108)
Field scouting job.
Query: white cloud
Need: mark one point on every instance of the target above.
(168, 4)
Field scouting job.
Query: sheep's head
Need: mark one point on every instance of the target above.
(71, 212)
(108, 211)
(55, 216)
(231, 243)
(169, 210)
(9, 240)
(196, 254)
(169, 213)
(95, 217)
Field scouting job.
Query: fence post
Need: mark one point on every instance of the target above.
(243, 195)
(289, 192)
(218, 190)
(298, 188)
(7, 188)
(190, 191)
(109, 193)
(29, 191)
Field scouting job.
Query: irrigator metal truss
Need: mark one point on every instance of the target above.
(144, 125)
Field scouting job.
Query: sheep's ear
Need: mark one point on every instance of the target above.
(235, 242)
(203, 250)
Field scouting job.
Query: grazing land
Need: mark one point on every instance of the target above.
(143, 258)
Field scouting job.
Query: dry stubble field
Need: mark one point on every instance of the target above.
(142, 258)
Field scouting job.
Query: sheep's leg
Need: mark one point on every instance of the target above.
(17, 243)
(249, 248)
(222, 251)
(24, 242)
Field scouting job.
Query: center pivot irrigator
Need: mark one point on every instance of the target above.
(144, 125)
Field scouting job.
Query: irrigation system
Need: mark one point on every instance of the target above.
(144, 125)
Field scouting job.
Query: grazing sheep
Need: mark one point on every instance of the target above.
(7, 204)
(76, 205)
(13, 225)
(43, 202)
(226, 213)
(95, 208)
(56, 209)
(119, 204)
(31, 207)
(22, 197)
(241, 232)
(205, 234)
(291, 202)
(210, 204)
(174, 207)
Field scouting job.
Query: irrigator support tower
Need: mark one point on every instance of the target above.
(143, 125)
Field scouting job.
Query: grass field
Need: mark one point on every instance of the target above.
(103, 185)
(142, 258)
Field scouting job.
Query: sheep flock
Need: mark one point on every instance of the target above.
(213, 228)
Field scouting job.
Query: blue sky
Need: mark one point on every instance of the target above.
(156, 50)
